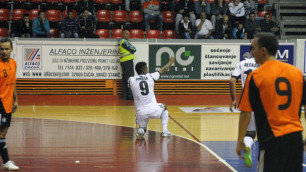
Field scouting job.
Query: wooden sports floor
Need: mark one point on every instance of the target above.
(83, 133)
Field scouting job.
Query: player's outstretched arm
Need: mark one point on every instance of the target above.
(167, 66)
(232, 87)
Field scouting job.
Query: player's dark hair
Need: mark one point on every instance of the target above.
(268, 41)
(7, 40)
(69, 11)
(39, 12)
(26, 15)
(140, 66)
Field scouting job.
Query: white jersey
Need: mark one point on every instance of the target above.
(142, 87)
(244, 68)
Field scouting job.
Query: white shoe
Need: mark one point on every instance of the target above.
(10, 165)
(166, 134)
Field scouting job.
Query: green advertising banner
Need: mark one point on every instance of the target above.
(187, 63)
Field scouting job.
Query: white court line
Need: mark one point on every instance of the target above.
(201, 144)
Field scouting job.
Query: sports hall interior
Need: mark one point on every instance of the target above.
(85, 125)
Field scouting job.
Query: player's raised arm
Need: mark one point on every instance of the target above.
(167, 66)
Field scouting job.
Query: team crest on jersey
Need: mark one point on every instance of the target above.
(32, 58)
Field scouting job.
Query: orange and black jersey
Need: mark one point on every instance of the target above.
(7, 84)
(275, 93)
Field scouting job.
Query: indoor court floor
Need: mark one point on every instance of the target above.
(83, 133)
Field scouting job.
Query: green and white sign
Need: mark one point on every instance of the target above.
(187, 63)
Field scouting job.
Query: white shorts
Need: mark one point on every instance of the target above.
(252, 126)
(143, 119)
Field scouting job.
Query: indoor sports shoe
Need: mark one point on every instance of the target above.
(166, 134)
(248, 157)
(10, 165)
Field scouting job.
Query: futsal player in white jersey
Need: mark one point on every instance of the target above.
(243, 69)
(142, 86)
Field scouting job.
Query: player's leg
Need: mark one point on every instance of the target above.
(249, 140)
(283, 153)
(5, 124)
(164, 119)
(7, 164)
(141, 125)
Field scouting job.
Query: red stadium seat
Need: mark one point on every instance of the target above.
(262, 14)
(33, 13)
(54, 33)
(3, 32)
(69, 1)
(21, 1)
(53, 1)
(103, 16)
(136, 34)
(153, 34)
(262, 1)
(136, 16)
(228, 1)
(116, 1)
(117, 33)
(169, 34)
(18, 14)
(75, 14)
(54, 15)
(37, 1)
(4, 14)
(103, 33)
(120, 16)
(101, 1)
(168, 16)
(211, 1)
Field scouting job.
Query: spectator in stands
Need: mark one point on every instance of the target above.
(237, 12)
(87, 25)
(252, 26)
(204, 27)
(86, 4)
(268, 25)
(239, 31)
(202, 5)
(22, 28)
(127, 4)
(171, 4)
(41, 26)
(219, 8)
(250, 6)
(186, 6)
(186, 28)
(152, 12)
(223, 29)
(69, 27)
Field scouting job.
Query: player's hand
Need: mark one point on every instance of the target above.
(233, 105)
(239, 148)
(15, 107)
(172, 60)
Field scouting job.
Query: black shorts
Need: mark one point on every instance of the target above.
(5, 118)
(282, 154)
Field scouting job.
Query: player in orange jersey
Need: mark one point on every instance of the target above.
(8, 98)
(275, 92)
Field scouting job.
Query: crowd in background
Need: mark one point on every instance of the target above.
(194, 20)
